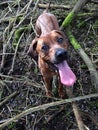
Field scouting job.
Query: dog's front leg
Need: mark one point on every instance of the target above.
(60, 89)
(48, 86)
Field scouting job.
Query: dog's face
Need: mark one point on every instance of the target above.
(51, 48)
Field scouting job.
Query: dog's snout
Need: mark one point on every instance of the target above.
(61, 54)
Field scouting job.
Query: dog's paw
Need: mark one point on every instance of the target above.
(49, 94)
(61, 95)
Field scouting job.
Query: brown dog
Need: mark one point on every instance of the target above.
(51, 48)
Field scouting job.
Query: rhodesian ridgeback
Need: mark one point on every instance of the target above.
(51, 47)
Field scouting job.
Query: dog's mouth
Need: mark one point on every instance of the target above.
(67, 76)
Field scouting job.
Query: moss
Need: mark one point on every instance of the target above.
(73, 41)
(68, 19)
(18, 33)
(11, 126)
(81, 24)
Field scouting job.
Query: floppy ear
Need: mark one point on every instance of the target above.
(61, 33)
(32, 49)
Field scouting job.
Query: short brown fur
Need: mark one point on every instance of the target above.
(45, 47)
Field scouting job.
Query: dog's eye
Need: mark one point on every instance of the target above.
(60, 40)
(45, 47)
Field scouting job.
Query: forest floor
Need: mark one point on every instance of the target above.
(20, 76)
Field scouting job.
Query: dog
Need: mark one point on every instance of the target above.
(51, 48)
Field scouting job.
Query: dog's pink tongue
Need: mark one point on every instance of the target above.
(67, 77)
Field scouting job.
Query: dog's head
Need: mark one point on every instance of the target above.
(51, 48)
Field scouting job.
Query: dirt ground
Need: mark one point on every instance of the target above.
(20, 76)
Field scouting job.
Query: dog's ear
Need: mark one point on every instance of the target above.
(61, 33)
(32, 49)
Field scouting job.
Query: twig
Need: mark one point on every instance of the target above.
(33, 27)
(50, 118)
(5, 45)
(8, 98)
(4, 120)
(7, 54)
(3, 57)
(54, 6)
(45, 106)
(5, 2)
(75, 110)
(12, 5)
(94, 2)
(27, 43)
(13, 62)
(80, 123)
(20, 79)
(34, 9)
(90, 116)
(28, 6)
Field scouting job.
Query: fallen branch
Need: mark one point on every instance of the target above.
(86, 59)
(8, 98)
(93, 72)
(54, 6)
(45, 106)
(65, 23)
(77, 114)
(80, 4)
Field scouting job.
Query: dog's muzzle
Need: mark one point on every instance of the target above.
(60, 55)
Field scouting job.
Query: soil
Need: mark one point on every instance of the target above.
(20, 74)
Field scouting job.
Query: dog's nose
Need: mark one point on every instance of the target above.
(61, 54)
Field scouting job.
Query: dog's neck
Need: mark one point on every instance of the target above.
(48, 28)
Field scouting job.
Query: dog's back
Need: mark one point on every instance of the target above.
(46, 23)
